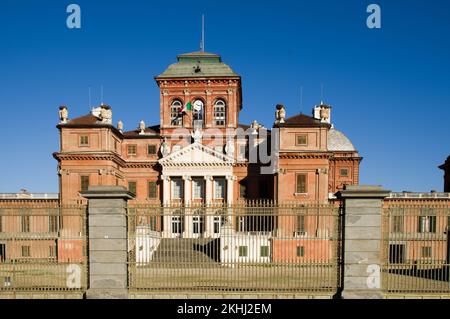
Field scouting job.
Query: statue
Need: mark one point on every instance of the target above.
(197, 135)
(280, 114)
(120, 126)
(63, 114)
(229, 148)
(106, 114)
(325, 113)
(142, 127)
(165, 148)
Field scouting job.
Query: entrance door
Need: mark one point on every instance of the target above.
(396, 253)
(2, 252)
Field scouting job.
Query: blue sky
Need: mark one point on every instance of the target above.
(389, 87)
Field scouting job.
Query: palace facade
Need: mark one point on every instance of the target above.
(200, 152)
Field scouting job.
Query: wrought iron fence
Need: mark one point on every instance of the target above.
(416, 249)
(43, 248)
(249, 246)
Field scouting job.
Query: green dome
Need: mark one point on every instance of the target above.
(198, 64)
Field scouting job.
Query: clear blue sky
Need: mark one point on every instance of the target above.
(389, 88)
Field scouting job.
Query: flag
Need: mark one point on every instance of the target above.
(186, 107)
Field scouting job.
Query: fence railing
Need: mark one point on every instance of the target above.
(43, 248)
(416, 249)
(244, 247)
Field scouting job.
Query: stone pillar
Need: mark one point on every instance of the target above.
(208, 190)
(107, 220)
(230, 189)
(166, 189)
(362, 241)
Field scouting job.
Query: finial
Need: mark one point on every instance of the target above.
(142, 127)
(120, 126)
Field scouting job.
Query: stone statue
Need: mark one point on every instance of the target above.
(63, 114)
(165, 148)
(142, 127)
(229, 148)
(197, 135)
(280, 114)
(106, 114)
(120, 126)
(324, 113)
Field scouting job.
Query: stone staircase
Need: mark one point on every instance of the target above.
(186, 252)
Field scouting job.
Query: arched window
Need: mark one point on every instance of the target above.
(176, 118)
(219, 112)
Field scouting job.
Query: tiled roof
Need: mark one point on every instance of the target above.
(198, 64)
(302, 120)
(151, 130)
(85, 120)
(337, 141)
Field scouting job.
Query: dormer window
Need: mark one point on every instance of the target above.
(219, 113)
(176, 117)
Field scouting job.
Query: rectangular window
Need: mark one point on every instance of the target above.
(25, 223)
(219, 188)
(177, 188)
(300, 251)
(300, 227)
(264, 251)
(301, 184)
(426, 252)
(52, 223)
(243, 151)
(132, 149)
(177, 225)
(242, 190)
(343, 172)
(198, 224)
(198, 188)
(26, 251)
(84, 140)
(51, 251)
(301, 140)
(132, 187)
(84, 182)
(397, 224)
(427, 224)
(152, 189)
(217, 224)
(243, 251)
(151, 149)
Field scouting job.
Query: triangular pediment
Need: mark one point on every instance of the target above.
(196, 154)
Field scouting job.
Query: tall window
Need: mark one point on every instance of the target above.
(219, 188)
(300, 224)
(25, 223)
(219, 112)
(426, 252)
(198, 188)
(84, 140)
(152, 189)
(132, 187)
(198, 222)
(301, 183)
(52, 223)
(397, 224)
(242, 190)
(177, 188)
(177, 222)
(51, 251)
(26, 251)
(427, 224)
(175, 116)
(300, 251)
(84, 183)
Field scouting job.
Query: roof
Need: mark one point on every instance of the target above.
(149, 131)
(87, 119)
(337, 141)
(198, 64)
(302, 120)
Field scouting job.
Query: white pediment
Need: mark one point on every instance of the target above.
(196, 154)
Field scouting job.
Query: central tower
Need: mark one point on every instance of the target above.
(199, 91)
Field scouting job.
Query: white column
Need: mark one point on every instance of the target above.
(230, 188)
(208, 190)
(187, 232)
(167, 221)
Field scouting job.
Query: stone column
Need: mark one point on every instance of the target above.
(107, 218)
(166, 189)
(208, 190)
(230, 188)
(362, 241)
(167, 230)
(187, 190)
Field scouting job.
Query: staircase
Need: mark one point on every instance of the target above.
(186, 252)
